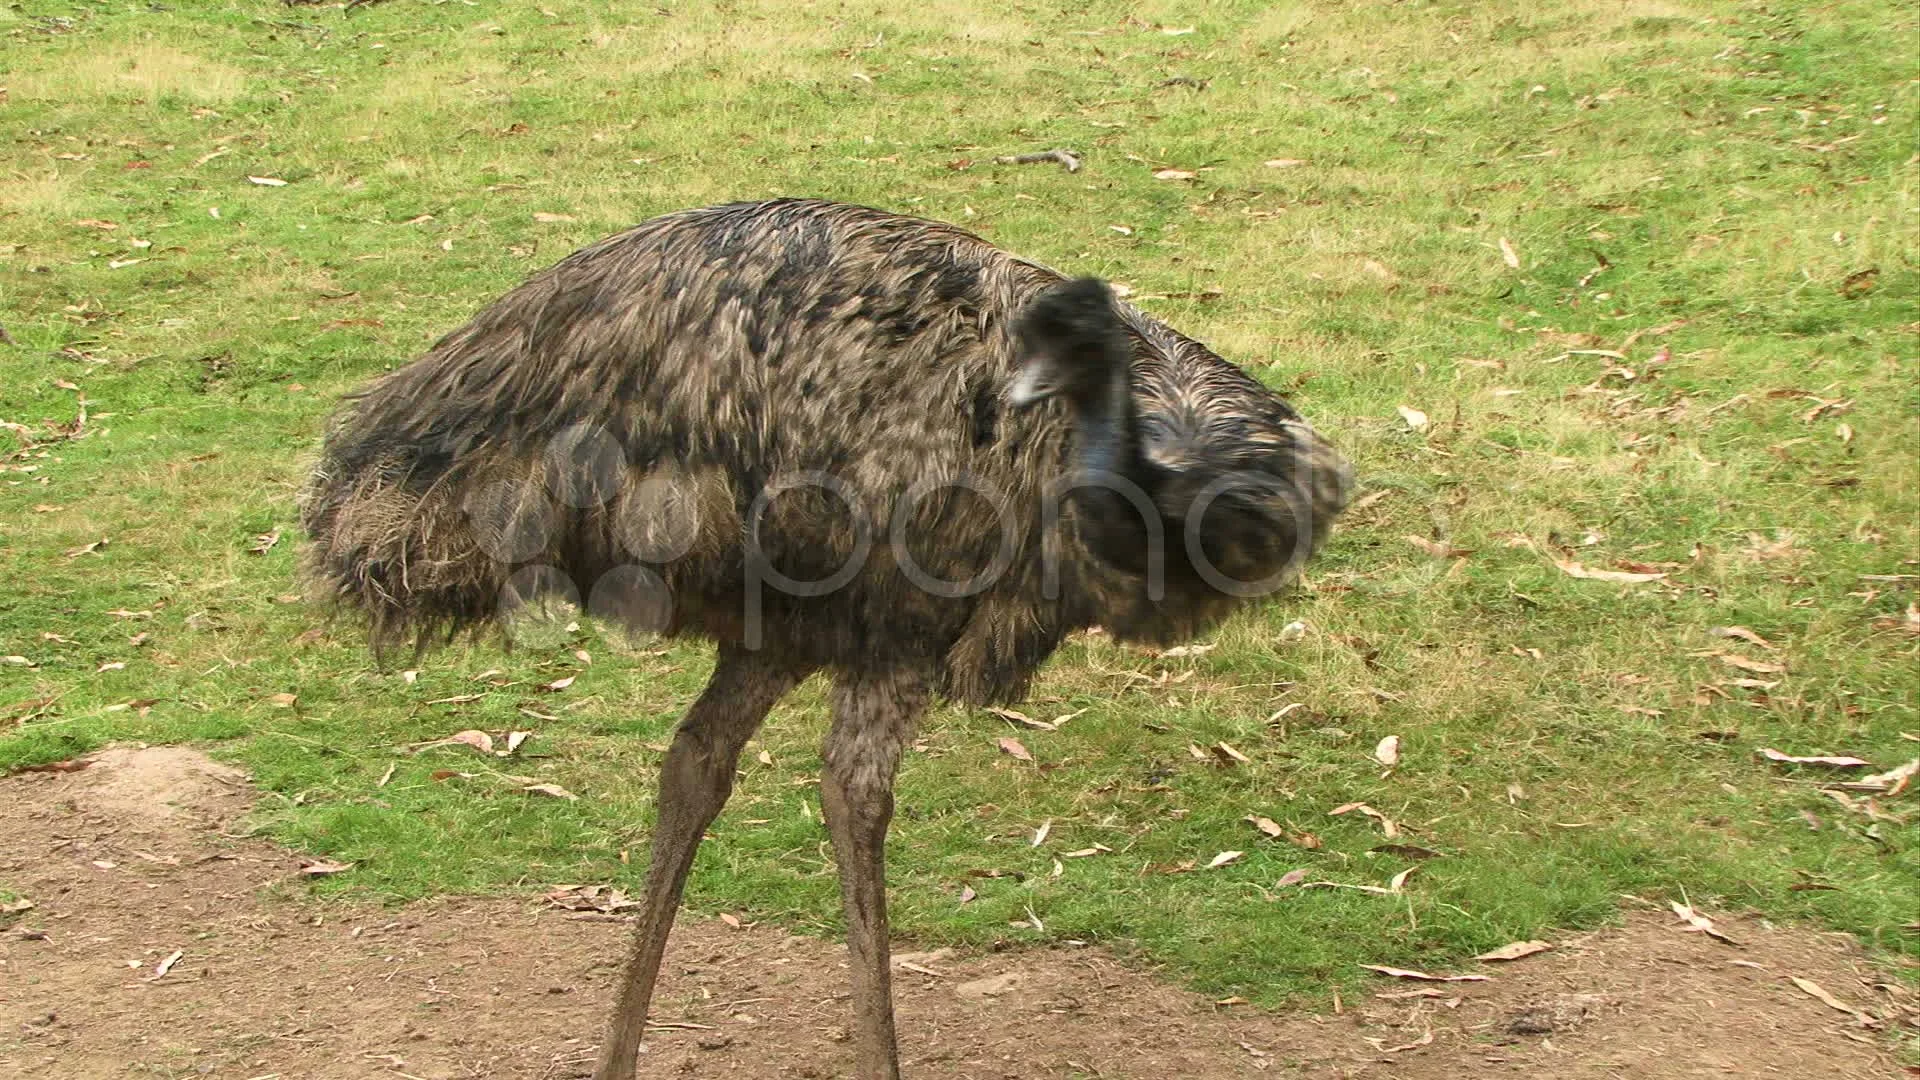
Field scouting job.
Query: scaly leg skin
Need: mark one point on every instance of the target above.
(873, 718)
(695, 780)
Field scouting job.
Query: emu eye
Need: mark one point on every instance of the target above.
(1037, 381)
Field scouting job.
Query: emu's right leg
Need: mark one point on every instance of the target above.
(695, 780)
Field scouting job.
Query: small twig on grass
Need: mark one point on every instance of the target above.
(1064, 157)
(300, 27)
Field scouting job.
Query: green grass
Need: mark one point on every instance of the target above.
(1740, 167)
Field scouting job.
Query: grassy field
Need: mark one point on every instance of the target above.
(1629, 287)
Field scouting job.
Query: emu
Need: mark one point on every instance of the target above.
(830, 439)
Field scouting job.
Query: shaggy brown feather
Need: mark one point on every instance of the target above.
(638, 403)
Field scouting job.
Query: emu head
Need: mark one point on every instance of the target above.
(1186, 471)
(1075, 346)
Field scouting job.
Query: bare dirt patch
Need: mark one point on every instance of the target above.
(128, 863)
(150, 787)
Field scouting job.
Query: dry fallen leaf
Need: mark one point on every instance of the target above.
(560, 684)
(1228, 755)
(1386, 824)
(1284, 163)
(479, 740)
(323, 867)
(160, 970)
(1173, 174)
(1698, 922)
(1388, 752)
(1179, 651)
(1415, 419)
(267, 181)
(1404, 973)
(1226, 857)
(1830, 761)
(1423, 992)
(1816, 991)
(1889, 783)
(1016, 717)
(1574, 569)
(87, 549)
(264, 542)
(1368, 499)
(1740, 632)
(1291, 877)
(547, 218)
(590, 898)
(1507, 253)
(1513, 951)
(1405, 851)
(1377, 890)
(1425, 1038)
(1040, 834)
(551, 791)
(1265, 824)
(1015, 748)
(1760, 667)
(283, 701)
(1439, 549)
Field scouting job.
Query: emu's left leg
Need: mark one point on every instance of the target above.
(873, 718)
(695, 780)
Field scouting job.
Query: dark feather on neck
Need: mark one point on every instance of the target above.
(1076, 334)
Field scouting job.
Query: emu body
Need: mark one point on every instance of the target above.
(829, 439)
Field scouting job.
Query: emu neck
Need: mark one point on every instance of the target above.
(1106, 455)
(1105, 438)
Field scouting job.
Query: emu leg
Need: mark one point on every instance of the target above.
(873, 717)
(695, 780)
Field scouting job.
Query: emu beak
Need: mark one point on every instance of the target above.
(1032, 384)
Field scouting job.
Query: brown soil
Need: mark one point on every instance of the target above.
(127, 863)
